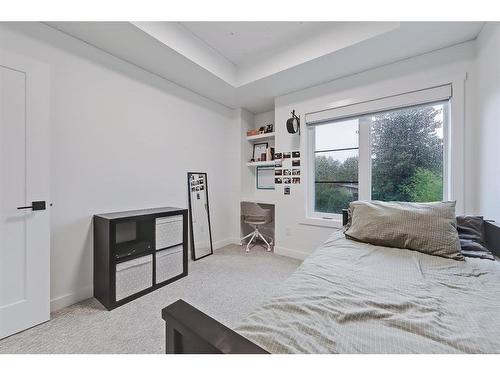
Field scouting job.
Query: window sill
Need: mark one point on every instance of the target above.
(322, 222)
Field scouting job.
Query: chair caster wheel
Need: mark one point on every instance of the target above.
(247, 251)
(268, 249)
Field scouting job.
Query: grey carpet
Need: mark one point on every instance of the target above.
(227, 286)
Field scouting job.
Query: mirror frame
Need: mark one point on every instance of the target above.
(193, 250)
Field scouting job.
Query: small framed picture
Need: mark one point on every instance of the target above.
(278, 180)
(278, 155)
(258, 150)
(193, 189)
(269, 128)
(295, 172)
(287, 180)
(296, 163)
(202, 187)
(296, 180)
(278, 172)
(286, 190)
(287, 172)
(286, 155)
(278, 163)
(197, 188)
(296, 154)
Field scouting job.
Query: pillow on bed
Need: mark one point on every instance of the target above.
(429, 228)
(472, 237)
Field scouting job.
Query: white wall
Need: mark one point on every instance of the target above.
(121, 139)
(488, 115)
(293, 236)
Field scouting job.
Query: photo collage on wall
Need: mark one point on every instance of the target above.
(287, 169)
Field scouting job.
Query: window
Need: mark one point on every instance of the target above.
(398, 153)
(336, 165)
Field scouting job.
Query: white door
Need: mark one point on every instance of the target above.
(24, 178)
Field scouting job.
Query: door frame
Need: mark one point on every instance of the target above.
(37, 117)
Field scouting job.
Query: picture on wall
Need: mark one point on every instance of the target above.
(278, 172)
(278, 163)
(296, 154)
(258, 150)
(287, 180)
(296, 163)
(278, 180)
(287, 172)
(278, 155)
(296, 180)
(286, 155)
(295, 172)
(286, 190)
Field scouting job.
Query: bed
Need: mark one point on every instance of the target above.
(352, 297)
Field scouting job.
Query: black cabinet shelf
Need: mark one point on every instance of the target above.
(132, 231)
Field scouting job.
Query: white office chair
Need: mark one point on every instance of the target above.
(254, 215)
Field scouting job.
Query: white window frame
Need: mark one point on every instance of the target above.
(453, 175)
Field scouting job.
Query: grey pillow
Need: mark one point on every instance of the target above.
(429, 228)
(472, 237)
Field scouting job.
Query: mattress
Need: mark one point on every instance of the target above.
(352, 297)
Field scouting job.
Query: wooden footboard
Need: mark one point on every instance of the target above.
(190, 331)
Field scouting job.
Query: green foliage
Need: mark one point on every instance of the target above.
(334, 197)
(425, 186)
(402, 142)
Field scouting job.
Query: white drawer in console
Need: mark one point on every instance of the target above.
(169, 263)
(168, 231)
(133, 276)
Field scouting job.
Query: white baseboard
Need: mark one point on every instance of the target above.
(71, 298)
(290, 253)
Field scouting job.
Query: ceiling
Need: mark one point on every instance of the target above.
(247, 64)
(244, 41)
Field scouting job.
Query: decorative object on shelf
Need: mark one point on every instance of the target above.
(296, 163)
(293, 124)
(258, 150)
(269, 128)
(295, 154)
(265, 178)
(199, 215)
(252, 132)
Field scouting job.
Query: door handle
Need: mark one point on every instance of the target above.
(35, 206)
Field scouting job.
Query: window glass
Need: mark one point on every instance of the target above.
(336, 166)
(407, 154)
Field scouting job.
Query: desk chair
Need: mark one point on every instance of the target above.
(254, 215)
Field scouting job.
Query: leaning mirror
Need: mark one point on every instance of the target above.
(199, 215)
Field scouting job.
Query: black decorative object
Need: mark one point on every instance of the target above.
(293, 124)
